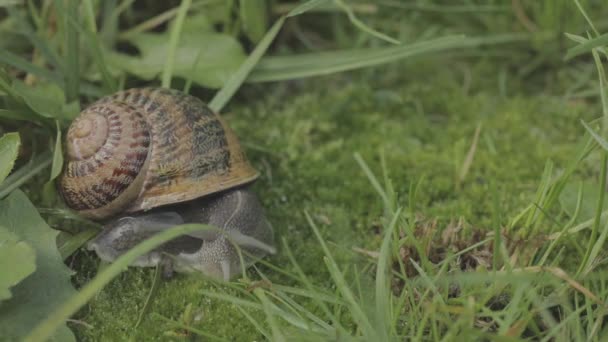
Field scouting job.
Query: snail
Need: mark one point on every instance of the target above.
(144, 160)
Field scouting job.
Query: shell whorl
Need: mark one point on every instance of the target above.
(107, 150)
(143, 148)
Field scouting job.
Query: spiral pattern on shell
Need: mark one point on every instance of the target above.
(143, 148)
(107, 147)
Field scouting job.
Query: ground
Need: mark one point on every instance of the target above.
(302, 137)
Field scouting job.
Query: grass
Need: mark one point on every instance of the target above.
(312, 172)
(424, 199)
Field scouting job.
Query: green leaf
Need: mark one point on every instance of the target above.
(9, 149)
(214, 67)
(590, 196)
(49, 192)
(40, 293)
(17, 261)
(25, 173)
(57, 155)
(46, 99)
(12, 114)
(254, 16)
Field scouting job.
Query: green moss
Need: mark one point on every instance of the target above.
(303, 143)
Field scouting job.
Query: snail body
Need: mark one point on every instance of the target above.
(163, 158)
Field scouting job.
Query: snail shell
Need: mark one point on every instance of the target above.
(143, 148)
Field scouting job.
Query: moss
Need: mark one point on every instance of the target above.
(302, 137)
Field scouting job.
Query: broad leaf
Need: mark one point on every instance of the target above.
(9, 148)
(44, 100)
(208, 59)
(49, 286)
(17, 261)
(254, 18)
(57, 155)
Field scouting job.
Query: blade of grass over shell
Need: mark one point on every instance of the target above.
(46, 328)
(173, 41)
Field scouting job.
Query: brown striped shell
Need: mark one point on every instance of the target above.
(143, 148)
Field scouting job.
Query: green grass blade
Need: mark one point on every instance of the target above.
(586, 16)
(305, 7)
(372, 179)
(25, 173)
(383, 294)
(234, 83)
(40, 44)
(46, 328)
(151, 295)
(588, 261)
(199, 332)
(587, 46)
(342, 286)
(95, 45)
(72, 83)
(76, 241)
(9, 149)
(173, 42)
(15, 61)
(323, 63)
(362, 26)
(57, 154)
(598, 138)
